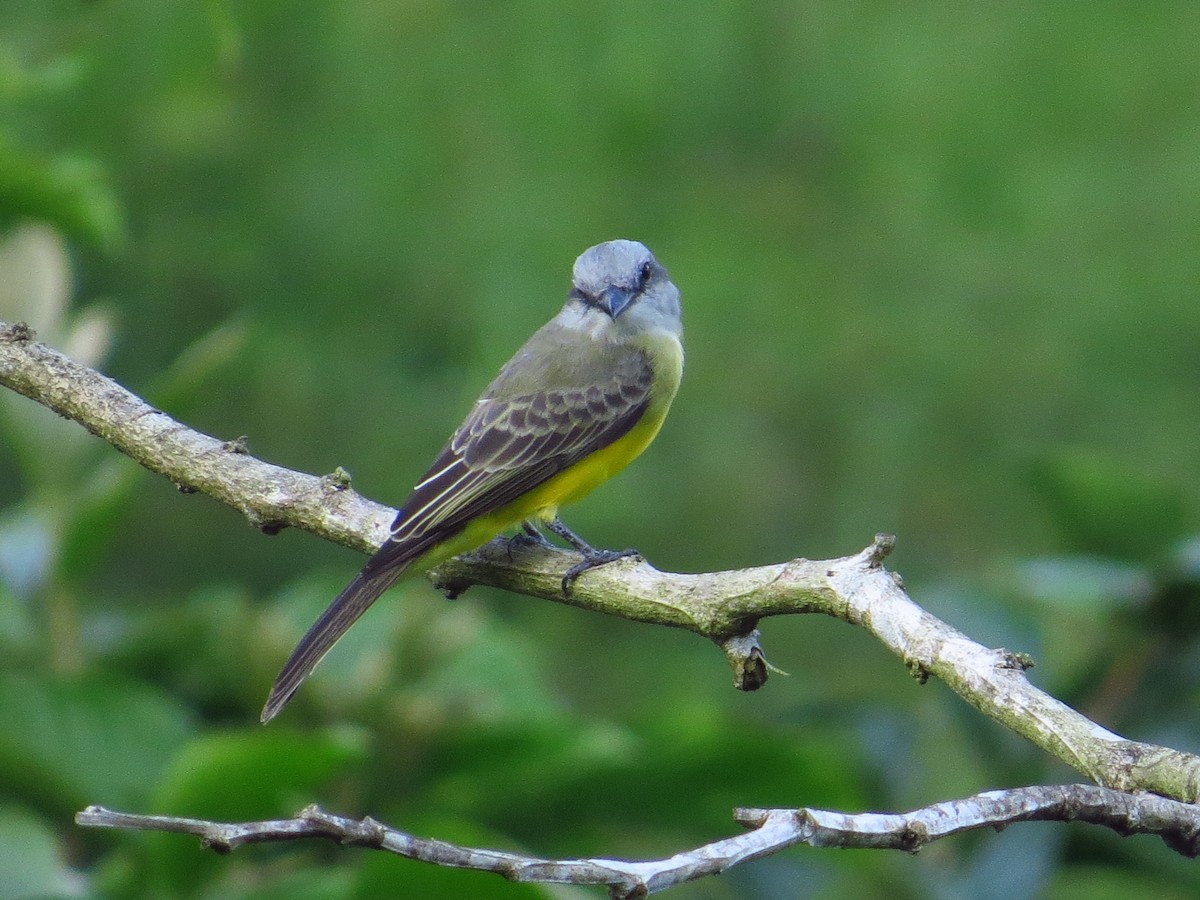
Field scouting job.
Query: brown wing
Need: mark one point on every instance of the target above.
(507, 446)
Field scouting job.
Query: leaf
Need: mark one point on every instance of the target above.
(231, 777)
(1106, 506)
(31, 863)
(99, 739)
(491, 676)
(252, 774)
(69, 192)
(1096, 882)
(1084, 584)
(185, 379)
(19, 632)
(26, 547)
(575, 780)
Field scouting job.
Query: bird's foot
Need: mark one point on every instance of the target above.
(591, 556)
(591, 559)
(528, 536)
(530, 533)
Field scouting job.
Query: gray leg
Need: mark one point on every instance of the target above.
(591, 556)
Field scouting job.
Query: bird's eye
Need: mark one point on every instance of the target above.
(647, 268)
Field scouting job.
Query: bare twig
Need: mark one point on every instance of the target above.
(770, 830)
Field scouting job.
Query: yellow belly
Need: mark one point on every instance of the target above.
(572, 484)
(543, 502)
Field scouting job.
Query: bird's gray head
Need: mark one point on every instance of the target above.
(624, 282)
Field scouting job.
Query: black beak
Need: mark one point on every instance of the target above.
(615, 300)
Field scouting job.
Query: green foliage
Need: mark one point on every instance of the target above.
(938, 270)
(1107, 508)
(246, 774)
(230, 777)
(72, 741)
(68, 192)
(65, 187)
(31, 864)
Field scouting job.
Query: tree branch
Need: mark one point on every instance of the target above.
(725, 607)
(770, 830)
(270, 497)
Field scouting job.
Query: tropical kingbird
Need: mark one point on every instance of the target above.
(583, 397)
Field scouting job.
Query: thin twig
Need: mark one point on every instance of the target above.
(770, 830)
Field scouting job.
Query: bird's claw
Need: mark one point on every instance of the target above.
(528, 536)
(592, 559)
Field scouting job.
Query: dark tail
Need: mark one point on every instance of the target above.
(325, 632)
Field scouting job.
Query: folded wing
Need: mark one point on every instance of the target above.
(507, 447)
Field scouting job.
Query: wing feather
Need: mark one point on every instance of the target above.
(511, 445)
(512, 442)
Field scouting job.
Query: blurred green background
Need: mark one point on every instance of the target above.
(939, 267)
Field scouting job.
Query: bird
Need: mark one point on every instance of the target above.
(583, 397)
